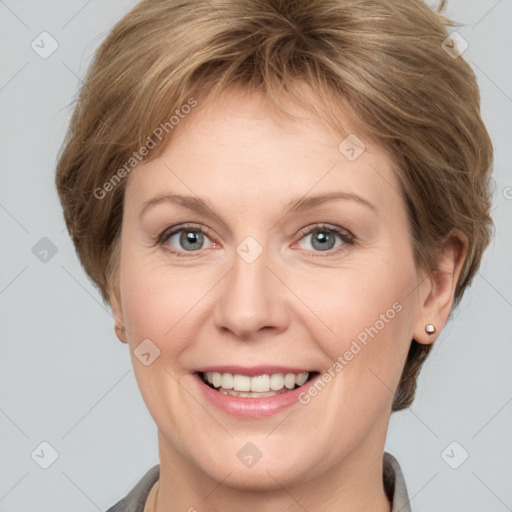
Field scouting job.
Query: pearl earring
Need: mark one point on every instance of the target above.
(430, 328)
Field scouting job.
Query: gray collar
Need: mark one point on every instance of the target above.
(394, 484)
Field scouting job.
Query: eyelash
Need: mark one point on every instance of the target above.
(346, 237)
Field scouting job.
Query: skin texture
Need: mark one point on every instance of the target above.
(295, 305)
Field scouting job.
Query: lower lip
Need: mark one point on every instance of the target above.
(252, 407)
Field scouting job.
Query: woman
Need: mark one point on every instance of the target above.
(282, 205)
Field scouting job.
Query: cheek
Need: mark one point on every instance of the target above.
(158, 306)
(161, 302)
(368, 310)
(357, 296)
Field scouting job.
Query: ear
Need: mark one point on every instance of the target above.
(117, 309)
(438, 289)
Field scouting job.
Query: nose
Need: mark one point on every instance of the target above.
(251, 299)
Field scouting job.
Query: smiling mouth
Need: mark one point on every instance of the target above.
(257, 386)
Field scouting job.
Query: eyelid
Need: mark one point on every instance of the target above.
(328, 227)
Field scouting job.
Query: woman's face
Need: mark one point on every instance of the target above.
(240, 273)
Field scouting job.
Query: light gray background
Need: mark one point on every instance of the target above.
(68, 381)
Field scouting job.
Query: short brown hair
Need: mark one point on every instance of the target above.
(382, 60)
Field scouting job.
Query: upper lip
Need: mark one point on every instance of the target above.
(251, 370)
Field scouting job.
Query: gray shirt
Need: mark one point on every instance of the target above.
(394, 485)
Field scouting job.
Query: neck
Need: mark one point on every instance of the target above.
(355, 483)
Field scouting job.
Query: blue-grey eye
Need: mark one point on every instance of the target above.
(323, 239)
(187, 239)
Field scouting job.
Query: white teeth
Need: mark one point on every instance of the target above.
(301, 378)
(217, 379)
(227, 381)
(277, 381)
(244, 394)
(261, 384)
(289, 380)
(241, 383)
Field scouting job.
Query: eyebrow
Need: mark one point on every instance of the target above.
(307, 203)
(294, 206)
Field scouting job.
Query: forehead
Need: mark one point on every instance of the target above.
(237, 149)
